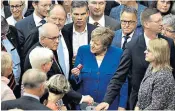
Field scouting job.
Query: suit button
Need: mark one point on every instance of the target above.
(98, 72)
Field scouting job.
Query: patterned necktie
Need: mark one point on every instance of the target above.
(96, 23)
(124, 44)
(43, 21)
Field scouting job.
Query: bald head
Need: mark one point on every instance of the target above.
(49, 36)
(57, 15)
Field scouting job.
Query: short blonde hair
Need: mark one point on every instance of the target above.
(39, 56)
(104, 34)
(58, 84)
(161, 51)
(6, 62)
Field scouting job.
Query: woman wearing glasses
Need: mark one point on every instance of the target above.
(16, 8)
(169, 26)
(157, 89)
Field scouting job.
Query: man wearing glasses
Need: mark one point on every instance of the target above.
(133, 59)
(16, 8)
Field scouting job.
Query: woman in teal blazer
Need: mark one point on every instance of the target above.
(100, 61)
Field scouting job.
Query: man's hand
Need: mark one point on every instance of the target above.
(88, 99)
(121, 109)
(102, 106)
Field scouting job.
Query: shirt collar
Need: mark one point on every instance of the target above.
(31, 95)
(129, 35)
(4, 79)
(147, 39)
(36, 18)
(85, 30)
(101, 21)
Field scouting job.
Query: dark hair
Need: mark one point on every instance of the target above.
(4, 24)
(129, 10)
(147, 13)
(36, 1)
(154, 5)
(79, 4)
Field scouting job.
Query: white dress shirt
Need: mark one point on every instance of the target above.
(11, 20)
(147, 39)
(37, 20)
(66, 56)
(101, 21)
(79, 39)
(129, 39)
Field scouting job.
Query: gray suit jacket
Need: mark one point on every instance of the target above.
(112, 23)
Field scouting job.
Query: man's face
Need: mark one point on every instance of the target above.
(16, 8)
(97, 7)
(42, 7)
(79, 16)
(52, 39)
(168, 31)
(155, 23)
(128, 22)
(57, 16)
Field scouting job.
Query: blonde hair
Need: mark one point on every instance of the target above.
(58, 84)
(104, 34)
(161, 51)
(6, 62)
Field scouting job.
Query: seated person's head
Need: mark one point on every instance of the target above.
(6, 64)
(34, 82)
(41, 58)
(58, 85)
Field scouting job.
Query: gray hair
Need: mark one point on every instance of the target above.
(39, 56)
(58, 84)
(169, 20)
(6, 62)
(79, 4)
(129, 10)
(105, 35)
(33, 78)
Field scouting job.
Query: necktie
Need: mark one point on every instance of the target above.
(61, 57)
(43, 21)
(96, 23)
(124, 44)
(12, 83)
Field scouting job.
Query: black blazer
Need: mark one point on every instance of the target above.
(24, 103)
(24, 26)
(133, 60)
(7, 12)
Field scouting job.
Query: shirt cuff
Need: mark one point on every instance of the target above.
(81, 99)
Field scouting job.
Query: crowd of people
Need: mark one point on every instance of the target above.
(57, 55)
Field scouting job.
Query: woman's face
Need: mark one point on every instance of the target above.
(163, 5)
(96, 46)
(149, 57)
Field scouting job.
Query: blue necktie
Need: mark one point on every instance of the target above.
(43, 21)
(61, 57)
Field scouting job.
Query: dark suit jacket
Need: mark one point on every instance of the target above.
(25, 103)
(24, 26)
(7, 12)
(109, 6)
(118, 36)
(133, 59)
(71, 96)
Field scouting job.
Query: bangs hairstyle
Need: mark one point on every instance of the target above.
(58, 84)
(161, 51)
(6, 62)
(105, 35)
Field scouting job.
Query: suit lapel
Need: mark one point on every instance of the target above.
(31, 22)
(89, 30)
(142, 48)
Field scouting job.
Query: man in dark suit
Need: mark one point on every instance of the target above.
(49, 37)
(79, 30)
(133, 59)
(128, 29)
(57, 12)
(97, 17)
(34, 84)
(36, 19)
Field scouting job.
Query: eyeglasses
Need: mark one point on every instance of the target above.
(16, 6)
(124, 22)
(168, 30)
